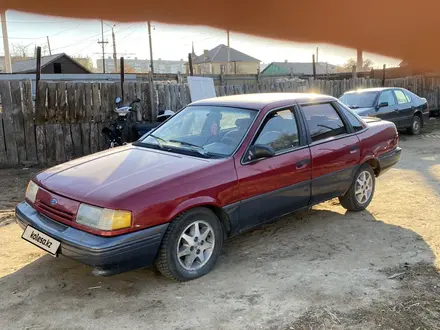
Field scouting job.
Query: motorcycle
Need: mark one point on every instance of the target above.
(115, 132)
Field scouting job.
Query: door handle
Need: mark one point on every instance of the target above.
(396, 110)
(302, 163)
(353, 150)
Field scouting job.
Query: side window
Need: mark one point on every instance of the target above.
(323, 121)
(352, 118)
(408, 96)
(401, 98)
(387, 96)
(280, 131)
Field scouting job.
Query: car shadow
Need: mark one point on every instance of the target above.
(306, 258)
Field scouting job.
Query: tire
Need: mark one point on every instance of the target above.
(416, 126)
(358, 202)
(182, 268)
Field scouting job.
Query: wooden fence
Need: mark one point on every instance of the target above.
(65, 121)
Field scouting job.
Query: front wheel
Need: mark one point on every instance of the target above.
(361, 191)
(191, 245)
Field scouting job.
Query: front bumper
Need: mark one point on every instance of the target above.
(389, 159)
(108, 255)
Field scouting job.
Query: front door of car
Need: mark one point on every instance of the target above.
(389, 112)
(335, 151)
(273, 186)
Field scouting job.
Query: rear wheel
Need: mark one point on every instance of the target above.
(416, 126)
(191, 245)
(361, 191)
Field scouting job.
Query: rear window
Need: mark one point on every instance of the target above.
(352, 117)
(323, 121)
(359, 99)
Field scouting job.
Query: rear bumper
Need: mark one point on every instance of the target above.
(108, 255)
(388, 159)
(425, 118)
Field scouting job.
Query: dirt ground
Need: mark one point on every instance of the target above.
(320, 269)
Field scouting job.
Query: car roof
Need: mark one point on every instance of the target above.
(260, 100)
(374, 89)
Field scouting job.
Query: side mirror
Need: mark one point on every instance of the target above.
(381, 105)
(118, 100)
(259, 151)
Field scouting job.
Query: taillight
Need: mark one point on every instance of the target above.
(396, 140)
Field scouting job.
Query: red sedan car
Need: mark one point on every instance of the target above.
(217, 168)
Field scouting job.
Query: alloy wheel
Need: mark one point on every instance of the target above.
(364, 187)
(195, 245)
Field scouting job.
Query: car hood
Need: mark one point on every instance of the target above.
(103, 178)
(363, 111)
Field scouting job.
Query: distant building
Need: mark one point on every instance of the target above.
(59, 63)
(142, 66)
(219, 60)
(13, 60)
(298, 68)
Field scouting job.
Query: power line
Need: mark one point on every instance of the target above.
(38, 22)
(36, 38)
(81, 41)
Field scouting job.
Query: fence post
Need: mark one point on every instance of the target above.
(190, 63)
(122, 77)
(353, 72)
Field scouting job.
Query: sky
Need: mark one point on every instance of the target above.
(170, 42)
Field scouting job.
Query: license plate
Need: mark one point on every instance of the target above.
(41, 240)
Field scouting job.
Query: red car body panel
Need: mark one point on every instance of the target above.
(379, 138)
(334, 156)
(153, 185)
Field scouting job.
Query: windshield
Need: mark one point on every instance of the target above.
(359, 100)
(203, 130)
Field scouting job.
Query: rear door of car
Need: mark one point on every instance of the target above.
(390, 112)
(406, 108)
(335, 150)
(278, 185)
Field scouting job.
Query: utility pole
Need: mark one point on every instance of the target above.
(8, 65)
(314, 66)
(115, 59)
(229, 55)
(48, 45)
(360, 62)
(317, 51)
(102, 42)
(151, 47)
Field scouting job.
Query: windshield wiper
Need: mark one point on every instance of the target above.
(158, 139)
(194, 147)
(354, 106)
(330, 128)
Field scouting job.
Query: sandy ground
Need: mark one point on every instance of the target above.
(320, 269)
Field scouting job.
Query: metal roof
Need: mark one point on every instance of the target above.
(30, 66)
(260, 100)
(373, 89)
(302, 67)
(220, 54)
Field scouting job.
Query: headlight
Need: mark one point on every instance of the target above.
(31, 191)
(103, 219)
